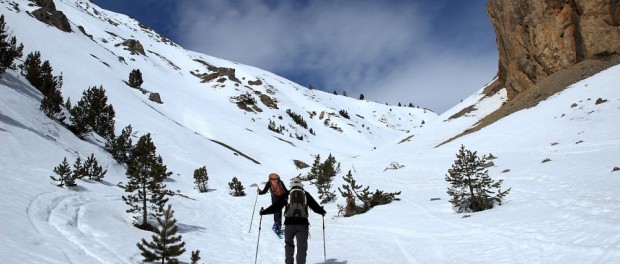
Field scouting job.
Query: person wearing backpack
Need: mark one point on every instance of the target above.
(277, 189)
(296, 224)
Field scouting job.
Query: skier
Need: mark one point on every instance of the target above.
(277, 189)
(295, 219)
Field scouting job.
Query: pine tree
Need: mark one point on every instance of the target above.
(147, 191)
(324, 185)
(201, 178)
(471, 188)
(40, 76)
(121, 147)
(195, 256)
(92, 169)
(315, 170)
(93, 113)
(236, 188)
(9, 50)
(31, 69)
(166, 245)
(349, 193)
(330, 167)
(135, 78)
(354, 192)
(361, 96)
(65, 176)
(79, 171)
(52, 102)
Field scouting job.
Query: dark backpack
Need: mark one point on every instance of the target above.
(297, 205)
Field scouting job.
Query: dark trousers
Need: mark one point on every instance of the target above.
(277, 216)
(300, 233)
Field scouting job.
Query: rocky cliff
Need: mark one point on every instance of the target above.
(536, 38)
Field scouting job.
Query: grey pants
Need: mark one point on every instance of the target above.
(299, 232)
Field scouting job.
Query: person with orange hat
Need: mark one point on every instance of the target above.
(277, 189)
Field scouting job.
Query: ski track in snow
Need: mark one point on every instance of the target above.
(58, 216)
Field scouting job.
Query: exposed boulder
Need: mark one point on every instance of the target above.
(133, 46)
(155, 97)
(257, 82)
(46, 4)
(538, 38)
(49, 15)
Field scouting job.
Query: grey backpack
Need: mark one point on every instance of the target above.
(297, 205)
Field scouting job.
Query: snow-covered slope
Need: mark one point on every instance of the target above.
(561, 211)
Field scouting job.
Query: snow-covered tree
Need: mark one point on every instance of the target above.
(166, 245)
(471, 188)
(201, 178)
(147, 191)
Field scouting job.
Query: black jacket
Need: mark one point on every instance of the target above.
(268, 186)
(282, 201)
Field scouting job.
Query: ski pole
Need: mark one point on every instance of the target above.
(253, 210)
(259, 228)
(324, 254)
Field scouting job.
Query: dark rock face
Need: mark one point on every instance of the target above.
(537, 38)
(155, 97)
(49, 15)
(134, 46)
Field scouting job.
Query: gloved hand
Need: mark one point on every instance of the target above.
(261, 211)
(257, 190)
(324, 212)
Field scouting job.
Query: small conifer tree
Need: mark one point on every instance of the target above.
(31, 69)
(92, 169)
(315, 170)
(93, 113)
(40, 76)
(166, 245)
(201, 178)
(121, 147)
(195, 256)
(78, 169)
(471, 188)
(330, 166)
(324, 186)
(9, 50)
(65, 175)
(135, 78)
(146, 189)
(353, 192)
(236, 188)
(361, 96)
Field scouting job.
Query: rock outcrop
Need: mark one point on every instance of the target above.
(133, 46)
(49, 15)
(537, 38)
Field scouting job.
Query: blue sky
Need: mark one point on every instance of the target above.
(429, 53)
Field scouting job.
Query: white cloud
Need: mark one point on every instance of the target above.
(377, 48)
